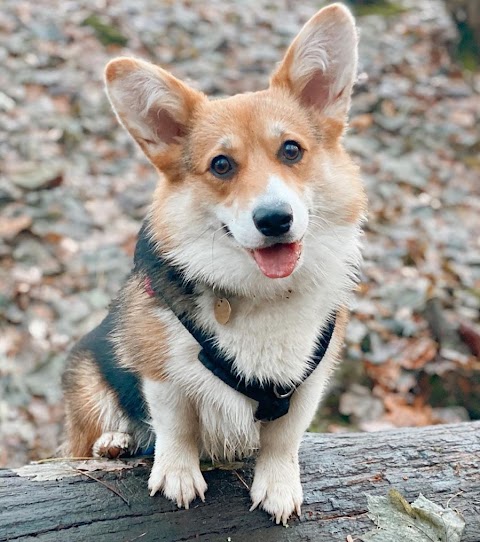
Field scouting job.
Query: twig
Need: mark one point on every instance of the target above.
(137, 537)
(108, 486)
(452, 497)
(241, 480)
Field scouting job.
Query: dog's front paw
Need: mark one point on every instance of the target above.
(112, 444)
(179, 483)
(278, 491)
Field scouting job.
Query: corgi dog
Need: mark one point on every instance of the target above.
(222, 340)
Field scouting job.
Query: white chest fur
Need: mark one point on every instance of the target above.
(269, 341)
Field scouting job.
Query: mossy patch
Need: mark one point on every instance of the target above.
(383, 8)
(105, 32)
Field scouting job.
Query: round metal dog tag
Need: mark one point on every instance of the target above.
(222, 310)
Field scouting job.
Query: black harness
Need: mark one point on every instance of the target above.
(168, 284)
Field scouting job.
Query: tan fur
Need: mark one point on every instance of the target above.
(85, 395)
(252, 146)
(341, 323)
(141, 341)
(255, 148)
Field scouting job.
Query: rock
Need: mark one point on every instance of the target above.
(359, 403)
(34, 253)
(39, 176)
(6, 103)
(407, 169)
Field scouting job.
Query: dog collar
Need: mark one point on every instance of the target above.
(168, 284)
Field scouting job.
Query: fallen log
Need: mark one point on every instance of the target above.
(108, 501)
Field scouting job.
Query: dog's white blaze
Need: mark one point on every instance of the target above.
(279, 192)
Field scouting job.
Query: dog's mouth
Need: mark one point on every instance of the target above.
(279, 260)
(276, 261)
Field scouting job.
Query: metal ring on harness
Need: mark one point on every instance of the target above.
(279, 395)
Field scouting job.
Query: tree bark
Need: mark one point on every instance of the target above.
(57, 502)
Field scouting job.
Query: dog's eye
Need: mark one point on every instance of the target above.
(291, 152)
(222, 166)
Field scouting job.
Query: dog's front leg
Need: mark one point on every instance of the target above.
(176, 469)
(276, 484)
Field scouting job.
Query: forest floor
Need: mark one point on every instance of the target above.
(74, 189)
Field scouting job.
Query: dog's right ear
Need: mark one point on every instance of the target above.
(152, 104)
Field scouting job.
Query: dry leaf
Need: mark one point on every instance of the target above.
(421, 521)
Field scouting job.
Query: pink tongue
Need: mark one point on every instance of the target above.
(279, 260)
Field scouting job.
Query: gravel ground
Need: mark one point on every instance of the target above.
(74, 189)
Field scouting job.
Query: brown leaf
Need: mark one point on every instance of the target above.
(471, 337)
(402, 414)
(417, 353)
(386, 374)
(362, 122)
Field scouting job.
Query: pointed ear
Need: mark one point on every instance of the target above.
(151, 103)
(320, 65)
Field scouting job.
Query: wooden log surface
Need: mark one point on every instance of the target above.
(59, 501)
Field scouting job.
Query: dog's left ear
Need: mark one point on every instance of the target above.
(320, 65)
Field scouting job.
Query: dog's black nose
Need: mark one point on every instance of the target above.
(273, 221)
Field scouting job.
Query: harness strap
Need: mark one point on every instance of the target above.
(273, 400)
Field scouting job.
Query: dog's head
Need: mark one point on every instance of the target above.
(256, 186)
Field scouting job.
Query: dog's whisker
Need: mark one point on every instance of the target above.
(213, 243)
